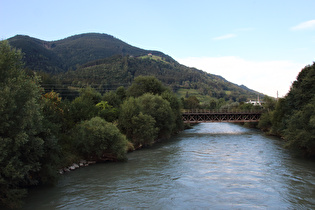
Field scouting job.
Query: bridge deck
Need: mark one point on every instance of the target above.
(201, 116)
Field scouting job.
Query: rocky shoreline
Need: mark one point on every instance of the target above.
(74, 166)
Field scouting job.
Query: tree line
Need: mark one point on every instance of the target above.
(293, 117)
(123, 69)
(40, 132)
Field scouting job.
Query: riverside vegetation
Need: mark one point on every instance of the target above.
(40, 132)
(49, 121)
(293, 117)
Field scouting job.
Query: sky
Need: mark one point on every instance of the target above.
(262, 44)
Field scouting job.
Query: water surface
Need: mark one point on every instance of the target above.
(212, 166)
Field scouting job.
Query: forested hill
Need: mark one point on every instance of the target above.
(62, 55)
(116, 71)
(105, 62)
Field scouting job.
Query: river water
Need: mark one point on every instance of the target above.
(212, 166)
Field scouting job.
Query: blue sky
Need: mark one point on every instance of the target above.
(262, 44)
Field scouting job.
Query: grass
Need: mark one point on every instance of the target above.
(181, 93)
(153, 57)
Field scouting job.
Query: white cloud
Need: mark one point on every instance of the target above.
(266, 77)
(305, 25)
(227, 36)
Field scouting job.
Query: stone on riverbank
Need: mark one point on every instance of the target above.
(76, 166)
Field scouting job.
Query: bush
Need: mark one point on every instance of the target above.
(98, 139)
(144, 131)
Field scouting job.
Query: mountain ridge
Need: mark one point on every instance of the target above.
(64, 54)
(91, 58)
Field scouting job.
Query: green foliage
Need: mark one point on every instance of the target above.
(301, 129)
(83, 107)
(232, 106)
(145, 84)
(61, 55)
(191, 102)
(129, 109)
(20, 125)
(107, 112)
(40, 132)
(105, 63)
(98, 139)
(144, 130)
(213, 104)
(121, 93)
(265, 123)
(292, 117)
(115, 98)
(160, 110)
(52, 123)
(176, 107)
(279, 117)
(148, 117)
(269, 103)
(120, 70)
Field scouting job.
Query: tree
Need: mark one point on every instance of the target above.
(301, 130)
(145, 84)
(160, 110)
(265, 123)
(83, 107)
(144, 130)
(107, 112)
(112, 99)
(293, 117)
(100, 140)
(20, 125)
(213, 103)
(121, 92)
(269, 103)
(128, 110)
(52, 124)
(147, 117)
(191, 102)
(176, 107)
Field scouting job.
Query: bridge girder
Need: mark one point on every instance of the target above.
(220, 117)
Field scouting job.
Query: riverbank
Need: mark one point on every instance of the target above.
(211, 166)
(74, 166)
(109, 158)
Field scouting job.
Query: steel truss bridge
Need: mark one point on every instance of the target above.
(207, 116)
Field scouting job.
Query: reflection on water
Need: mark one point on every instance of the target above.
(212, 166)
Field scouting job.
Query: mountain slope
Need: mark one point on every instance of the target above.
(38, 55)
(104, 62)
(116, 71)
(62, 55)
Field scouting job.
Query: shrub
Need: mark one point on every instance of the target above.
(98, 139)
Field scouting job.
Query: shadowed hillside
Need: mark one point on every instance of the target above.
(105, 63)
(62, 55)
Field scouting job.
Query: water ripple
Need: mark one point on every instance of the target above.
(212, 166)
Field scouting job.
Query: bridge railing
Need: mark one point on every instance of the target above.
(219, 111)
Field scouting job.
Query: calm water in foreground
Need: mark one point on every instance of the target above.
(212, 166)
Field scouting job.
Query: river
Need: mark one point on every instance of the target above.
(212, 166)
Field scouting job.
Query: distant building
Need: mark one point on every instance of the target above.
(257, 102)
(150, 54)
(254, 102)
